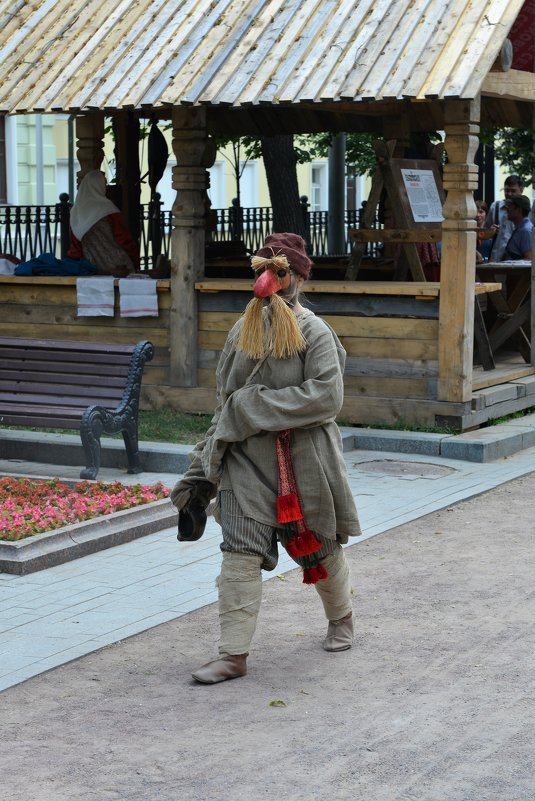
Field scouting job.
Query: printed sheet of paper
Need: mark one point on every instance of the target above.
(423, 195)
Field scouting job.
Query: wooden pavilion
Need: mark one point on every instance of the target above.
(269, 66)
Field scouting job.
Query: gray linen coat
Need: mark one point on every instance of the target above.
(255, 401)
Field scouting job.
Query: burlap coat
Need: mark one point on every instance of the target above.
(257, 400)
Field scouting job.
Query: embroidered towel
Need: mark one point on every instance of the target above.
(138, 297)
(95, 296)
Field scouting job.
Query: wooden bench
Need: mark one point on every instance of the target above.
(80, 385)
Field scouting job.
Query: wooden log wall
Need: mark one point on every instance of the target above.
(391, 344)
(390, 331)
(46, 308)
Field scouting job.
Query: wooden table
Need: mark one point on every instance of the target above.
(512, 304)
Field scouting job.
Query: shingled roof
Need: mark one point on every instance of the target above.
(71, 55)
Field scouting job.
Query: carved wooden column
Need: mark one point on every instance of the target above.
(457, 274)
(90, 142)
(194, 153)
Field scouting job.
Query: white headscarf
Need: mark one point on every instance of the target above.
(91, 204)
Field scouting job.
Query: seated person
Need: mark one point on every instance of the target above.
(98, 232)
(519, 245)
(484, 246)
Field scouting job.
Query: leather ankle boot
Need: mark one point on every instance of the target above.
(339, 634)
(228, 666)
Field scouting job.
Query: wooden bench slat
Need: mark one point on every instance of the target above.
(44, 422)
(53, 384)
(83, 357)
(66, 345)
(54, 378)
(12, 410)
(70, 368)
(61, 390)
(55, 400)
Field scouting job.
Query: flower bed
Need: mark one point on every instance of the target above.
(31, 506)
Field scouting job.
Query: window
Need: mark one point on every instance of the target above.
(217, 188)
(318, 187)
(249, 184)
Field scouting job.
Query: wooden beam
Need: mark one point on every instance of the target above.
(90, 142)
(511, 85)
(187, 241)
(458, 263)
(416, 289)
(396, 235)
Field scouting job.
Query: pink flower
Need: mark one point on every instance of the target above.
(30, 507)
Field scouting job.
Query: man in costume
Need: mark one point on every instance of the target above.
(273, 456)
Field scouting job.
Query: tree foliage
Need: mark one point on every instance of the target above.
(513, 148)
(360, 156)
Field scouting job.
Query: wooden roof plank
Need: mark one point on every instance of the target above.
(142, 44)
(200, 73)
(397, 51)
(300, 41)
(403, 57)
(485, 47)
(22, 53)
(430, 65)
(105, 54)
(303, 27)
(98, 41)
(318, 80)
(251, 53)
(365, 78)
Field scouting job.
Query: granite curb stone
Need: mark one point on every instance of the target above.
(66, 449)
(481, 445)
(80, 539)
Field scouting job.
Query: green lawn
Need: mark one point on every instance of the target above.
(162, 425)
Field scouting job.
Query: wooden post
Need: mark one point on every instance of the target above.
(458, 271)
(128, 170)
(532, 300)
(194, 152)
(90, 142)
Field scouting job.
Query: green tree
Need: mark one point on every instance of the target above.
(360, 156)
(514, 149)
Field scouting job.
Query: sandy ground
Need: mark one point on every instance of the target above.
(435, 701)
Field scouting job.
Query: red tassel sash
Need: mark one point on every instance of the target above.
(303, 543)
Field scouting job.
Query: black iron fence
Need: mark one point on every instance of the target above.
(27, 231)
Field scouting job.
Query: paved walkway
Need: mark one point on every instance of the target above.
(51, 617)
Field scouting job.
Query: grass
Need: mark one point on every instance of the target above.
(512, 416)
(403, 425)
(166, 425)
(162, 425)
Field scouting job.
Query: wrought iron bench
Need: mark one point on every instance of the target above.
(80, 385)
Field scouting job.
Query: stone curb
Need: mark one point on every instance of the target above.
(482, 445)
(71, 542)
(66, 449)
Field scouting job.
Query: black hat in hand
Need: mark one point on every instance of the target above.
(191, 522)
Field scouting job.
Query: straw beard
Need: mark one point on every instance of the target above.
(277, 332)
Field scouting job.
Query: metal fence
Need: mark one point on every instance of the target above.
(27, 231)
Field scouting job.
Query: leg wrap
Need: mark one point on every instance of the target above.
(335, 591)
(240, 593)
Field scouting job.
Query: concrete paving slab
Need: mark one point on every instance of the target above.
(433, 702)
(77, 540)
(176, 579)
